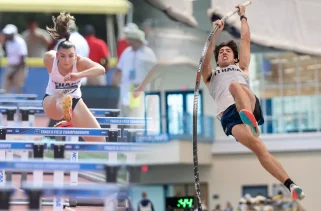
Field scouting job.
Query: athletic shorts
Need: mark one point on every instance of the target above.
(74, 101)
(231, 117)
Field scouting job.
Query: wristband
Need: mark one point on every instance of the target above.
(243, 16)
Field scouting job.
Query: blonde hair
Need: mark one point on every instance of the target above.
(61, 27)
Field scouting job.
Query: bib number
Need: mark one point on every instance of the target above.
(68, 91)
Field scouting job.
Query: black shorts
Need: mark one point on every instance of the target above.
(74, 101)
(231, 117)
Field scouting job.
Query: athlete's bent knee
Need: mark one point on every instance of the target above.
(234, 86)
(54, 117)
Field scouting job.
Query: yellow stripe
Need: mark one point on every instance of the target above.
(38, 62)
(72, 6)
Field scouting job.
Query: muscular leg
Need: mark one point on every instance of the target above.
(266, 159)
(270, 164)
(52, 107)
(83, 118)
(251, 96)
(253, 99)
(245, 105)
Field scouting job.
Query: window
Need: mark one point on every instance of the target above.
(153, 111)
(179, 112)
(255, 190)
(298, 113)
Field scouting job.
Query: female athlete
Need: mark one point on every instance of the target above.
(66, 69)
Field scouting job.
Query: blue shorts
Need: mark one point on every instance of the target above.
(231, 117)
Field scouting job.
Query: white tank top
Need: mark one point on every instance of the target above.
(219, 86)
(56, 82)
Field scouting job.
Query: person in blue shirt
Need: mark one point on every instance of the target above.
(145, 204)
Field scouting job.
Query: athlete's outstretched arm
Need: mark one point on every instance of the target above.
(207, 63)
(158, 68)
(90, 68)
(48, 58)
(245, 44)
(87, 69)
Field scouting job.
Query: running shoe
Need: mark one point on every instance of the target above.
(296, 192)
(63, 124)
(249, 119)
(67, 107)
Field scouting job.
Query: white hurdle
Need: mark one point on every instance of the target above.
(59, 192)
(18, 96)
(60, 166)
(112, 133)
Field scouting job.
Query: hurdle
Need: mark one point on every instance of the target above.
(59, 166)
(112, 121)
(104, 192)
(28, 113)
(18, 102)
(18, 96)
(46, 132)
(28, 117)
(59, 148)
(112, 134)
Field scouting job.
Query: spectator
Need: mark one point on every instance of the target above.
(133, 65)
(122, 44)
(37, 39)
(98, 52)
(145, 204)
(2, 41)
(16, 51)
(217, 208)
(228, 207)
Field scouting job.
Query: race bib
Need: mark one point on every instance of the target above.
(67, 88)
(68, 91)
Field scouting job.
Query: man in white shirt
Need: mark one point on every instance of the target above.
(16, 51)
(134, 63)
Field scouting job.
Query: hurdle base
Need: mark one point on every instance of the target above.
(89, 202)
(44, 202)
